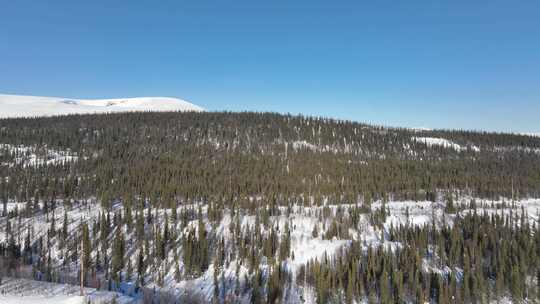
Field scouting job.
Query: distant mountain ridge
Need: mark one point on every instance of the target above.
(34, 106)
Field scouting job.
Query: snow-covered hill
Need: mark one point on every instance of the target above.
(31, 106)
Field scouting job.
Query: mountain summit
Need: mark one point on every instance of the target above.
(32, 106)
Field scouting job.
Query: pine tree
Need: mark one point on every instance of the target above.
(315, 232)
(177, 272)
(64, 229)
(141, 267)
(384, 288)
(117, 263)
(285, 244)
(128, 218)
(516, 284)
(87, 247)
(129, 272)
(215, 298)
(350, 288)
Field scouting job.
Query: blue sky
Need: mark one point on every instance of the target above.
(440, 64)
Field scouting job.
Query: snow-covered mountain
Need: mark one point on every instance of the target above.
(31, 106)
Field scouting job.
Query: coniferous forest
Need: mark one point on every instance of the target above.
(267, 208)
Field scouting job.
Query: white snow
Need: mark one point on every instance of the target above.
(61, 299)
(304, 246)
(23, 291)
(530, 134)
(516, 149)
(420, 213)
(31, 156)
(421, 129)
(32, 106)
(301, 221)
(302, 144)
(435, 141)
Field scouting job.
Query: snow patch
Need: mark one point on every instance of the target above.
(530, 134)
(302, 144)
(435, 141)
(34, 156)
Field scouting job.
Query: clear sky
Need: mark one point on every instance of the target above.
(439, 64)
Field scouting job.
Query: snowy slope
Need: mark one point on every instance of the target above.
(22, 291)
(30, 106)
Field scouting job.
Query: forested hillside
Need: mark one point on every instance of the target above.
(230, 156)
(269, 208)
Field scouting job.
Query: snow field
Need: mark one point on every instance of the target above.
(22, 291)
(301, 221)
(33, 106)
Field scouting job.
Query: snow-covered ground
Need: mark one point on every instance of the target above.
(434, 141)
(516, 149)
(33, 156)
(21, 291)
(31, 106)
(302, 144)
(301, 221)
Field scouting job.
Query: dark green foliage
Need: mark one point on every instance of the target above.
(118, 250)
(494, 258)
(195, 248)
(228, 156)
